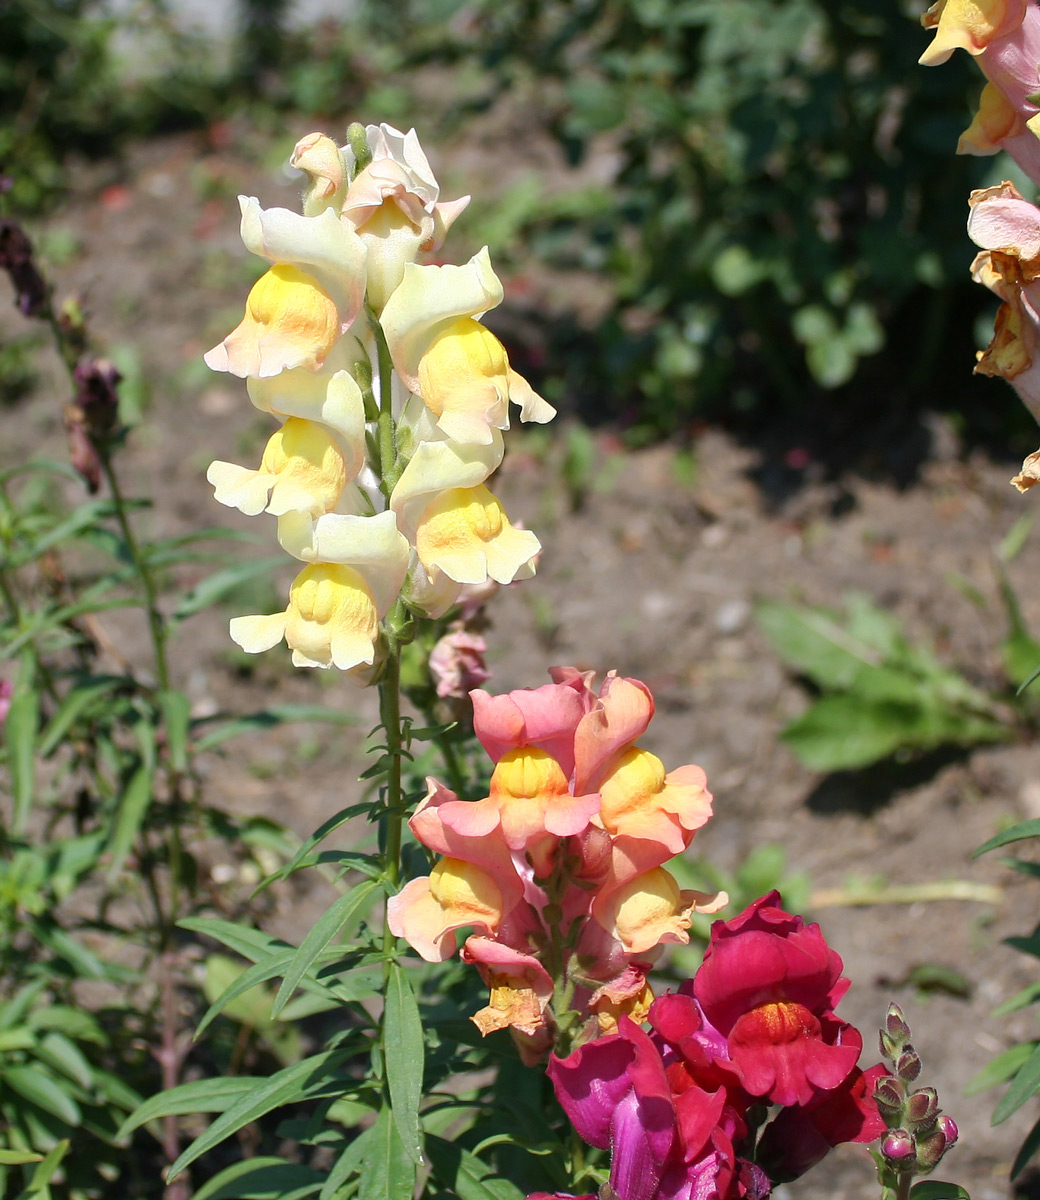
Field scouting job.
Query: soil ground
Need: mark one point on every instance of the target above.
(654, 575)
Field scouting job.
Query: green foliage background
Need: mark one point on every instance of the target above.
(786, 203)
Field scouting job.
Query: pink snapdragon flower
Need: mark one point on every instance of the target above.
(559, 869)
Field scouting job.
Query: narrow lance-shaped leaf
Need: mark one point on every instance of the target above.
(200, 1096)
(20, 727)
(404, 1054)
(1025, 1084)
(133, 807)
(387, 1172)
(302, 1079)
(342, 911)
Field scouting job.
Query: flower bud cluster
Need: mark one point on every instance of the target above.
(559, 869)
(391, 398)
(1004, 38)
(919, 1132)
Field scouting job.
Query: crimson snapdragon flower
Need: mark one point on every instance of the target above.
(680, 1108)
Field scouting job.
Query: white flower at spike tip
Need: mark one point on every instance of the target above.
(443, 354)
(334, 609)
(296, 312)
(393, 203)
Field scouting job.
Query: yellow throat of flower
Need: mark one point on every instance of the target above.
(527, 773)
(465, 891)
(293, 303)
(329, 606)
(306, 459)
(465, 364)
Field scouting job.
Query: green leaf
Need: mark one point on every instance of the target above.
(250, 943)
(255, 975)
(200, 1096)
(1016, 833)
(1026, 945)
(340, 913)
(1033, 676)
(16, 1158)
(73, 706)
(466, 1175)
(1014, 540)
(1020, 653)
(812, 641)
(19, 730)
(832, 361)
(1025, 1084)
(43, 1090)
(43, 1174)
(261, 1178)
(176, 710)
(1028, 995)
(133, 808)
(306, 1078)
(319, 835)
(268, 718)
(842, 732)
(220, 583)
(404, 1055)
(387, 1172)
(66, 1058)
(935, 1189)
(84, 517)
(346, 1166)
(1026, 1151)
(16, 1039)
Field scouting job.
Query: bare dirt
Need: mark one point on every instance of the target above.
(655, 575)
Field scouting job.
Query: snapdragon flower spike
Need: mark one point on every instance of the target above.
(310, 346)
(548, 869)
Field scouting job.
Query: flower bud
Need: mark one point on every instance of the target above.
(457, 664)
(320, 159)
(895, 1022)
(898, 1147)
(357, 140)
(16, 258)
(930, 1150)
(922, 1107)
(908, 1064)
(949, 1130)
(890, 1096)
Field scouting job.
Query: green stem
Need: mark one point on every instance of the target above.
(393, 806)
(389, 470)
(156, 624)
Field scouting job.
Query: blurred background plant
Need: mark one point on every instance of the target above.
(878, 695)
(767, 195)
